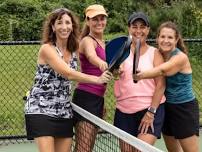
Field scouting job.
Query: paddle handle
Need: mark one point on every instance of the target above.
(136, 57)
(135, 81)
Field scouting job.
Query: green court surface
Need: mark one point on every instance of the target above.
(31, 147)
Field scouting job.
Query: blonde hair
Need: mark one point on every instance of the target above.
(85, 30)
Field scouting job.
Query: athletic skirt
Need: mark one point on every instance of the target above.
(88, 101)
(181, 120)
(38, 125)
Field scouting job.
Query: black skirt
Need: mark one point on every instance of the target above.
(181, 120)
(88, 101)
(38, 125)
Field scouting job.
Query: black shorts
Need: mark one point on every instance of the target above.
(130, 122)
(88, 101)
(181, 120)
(38, 125)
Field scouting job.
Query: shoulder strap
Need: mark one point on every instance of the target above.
(94, 39)
(174, 52)
(58, 50)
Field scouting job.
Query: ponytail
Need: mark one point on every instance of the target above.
(85, 31)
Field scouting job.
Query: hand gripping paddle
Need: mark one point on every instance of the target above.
(136, 57)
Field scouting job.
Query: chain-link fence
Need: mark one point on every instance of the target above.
(18, 66)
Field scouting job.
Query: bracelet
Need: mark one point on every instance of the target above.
(151, 112)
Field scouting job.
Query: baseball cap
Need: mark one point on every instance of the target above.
(94, 10)
(138, 15)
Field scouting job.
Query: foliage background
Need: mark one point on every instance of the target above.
(22, 20)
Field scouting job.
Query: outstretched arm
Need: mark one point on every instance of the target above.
(87, 47)
(50, 56)
(168, 68)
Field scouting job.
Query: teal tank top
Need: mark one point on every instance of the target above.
(179, 86)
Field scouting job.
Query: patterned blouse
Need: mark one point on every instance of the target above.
(51, 93)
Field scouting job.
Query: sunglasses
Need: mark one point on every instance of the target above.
(61, 10)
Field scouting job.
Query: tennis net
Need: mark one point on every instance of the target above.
(109, 138)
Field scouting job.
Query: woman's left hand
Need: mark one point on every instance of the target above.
(137, 76)
(146, 122)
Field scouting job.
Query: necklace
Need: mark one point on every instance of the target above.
(66, 55)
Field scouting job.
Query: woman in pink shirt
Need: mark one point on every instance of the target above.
(139, 106)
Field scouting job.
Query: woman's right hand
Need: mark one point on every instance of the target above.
(105, 77)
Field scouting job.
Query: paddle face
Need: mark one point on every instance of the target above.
(117, 50)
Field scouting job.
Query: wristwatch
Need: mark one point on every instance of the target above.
(152, 110)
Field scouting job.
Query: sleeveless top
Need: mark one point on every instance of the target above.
(88, 68)
(179, 86)
(133, 97)
(51, 93)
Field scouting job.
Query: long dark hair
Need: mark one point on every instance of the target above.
(171, 25)
(49, 36)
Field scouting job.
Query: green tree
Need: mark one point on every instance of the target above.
(22, 20)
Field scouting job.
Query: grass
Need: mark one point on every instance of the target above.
(197, 82)
(17, 72)
(18, 65)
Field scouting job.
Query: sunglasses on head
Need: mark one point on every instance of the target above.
(61, 10)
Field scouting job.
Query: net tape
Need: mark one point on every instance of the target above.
(133, 141)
